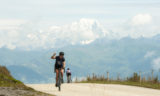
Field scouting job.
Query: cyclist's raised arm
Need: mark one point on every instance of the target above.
(54, 56)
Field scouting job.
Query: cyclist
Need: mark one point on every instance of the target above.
(68, 73)
(59, 63)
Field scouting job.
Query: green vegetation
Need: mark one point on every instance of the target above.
(134, 80)
(7, 81)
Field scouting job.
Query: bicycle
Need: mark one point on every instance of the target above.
(60, 78)
(69, 79)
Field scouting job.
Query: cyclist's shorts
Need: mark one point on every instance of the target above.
(68, 74)
(58, 66)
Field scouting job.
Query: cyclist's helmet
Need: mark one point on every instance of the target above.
(68, 69)
(61, 53)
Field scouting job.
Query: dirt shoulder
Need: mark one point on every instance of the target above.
(11, 91)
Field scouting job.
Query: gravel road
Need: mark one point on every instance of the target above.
(95, 90)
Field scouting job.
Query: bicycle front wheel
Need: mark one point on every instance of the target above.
(59, 80)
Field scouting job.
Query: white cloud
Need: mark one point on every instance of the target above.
(10, 24)
(31, 35)
(86, 42)
(11, 21)
(141, 25)
(149, 54)
(156, 63)
(141, 19)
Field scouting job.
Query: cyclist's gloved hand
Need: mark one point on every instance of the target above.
(54, 54)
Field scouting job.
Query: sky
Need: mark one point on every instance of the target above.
(31, 24)
(62, 11)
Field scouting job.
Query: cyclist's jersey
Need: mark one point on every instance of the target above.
(68, 71)
(59, 62)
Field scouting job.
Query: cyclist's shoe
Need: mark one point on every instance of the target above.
(56, 85)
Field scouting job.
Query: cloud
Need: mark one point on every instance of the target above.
(156, 63)
(32, 35)
(10, 24)
(141, 25)
(76, 32)
(149, 54)
(86, 42)
(141, 19)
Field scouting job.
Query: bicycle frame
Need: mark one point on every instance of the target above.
(69, 79)
(59, 79)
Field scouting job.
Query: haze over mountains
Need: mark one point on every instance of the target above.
(123, 56)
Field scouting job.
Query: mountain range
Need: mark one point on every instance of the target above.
(122, 56)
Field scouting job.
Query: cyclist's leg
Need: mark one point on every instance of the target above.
(62, 70)
(67, 78)
(56, 76)
(71, 77)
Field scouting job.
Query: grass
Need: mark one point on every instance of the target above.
(6, 80)
(143, 84)
(133, 81)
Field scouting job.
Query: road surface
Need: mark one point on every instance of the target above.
(95, 90)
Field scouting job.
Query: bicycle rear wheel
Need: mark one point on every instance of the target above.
(70, 79)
